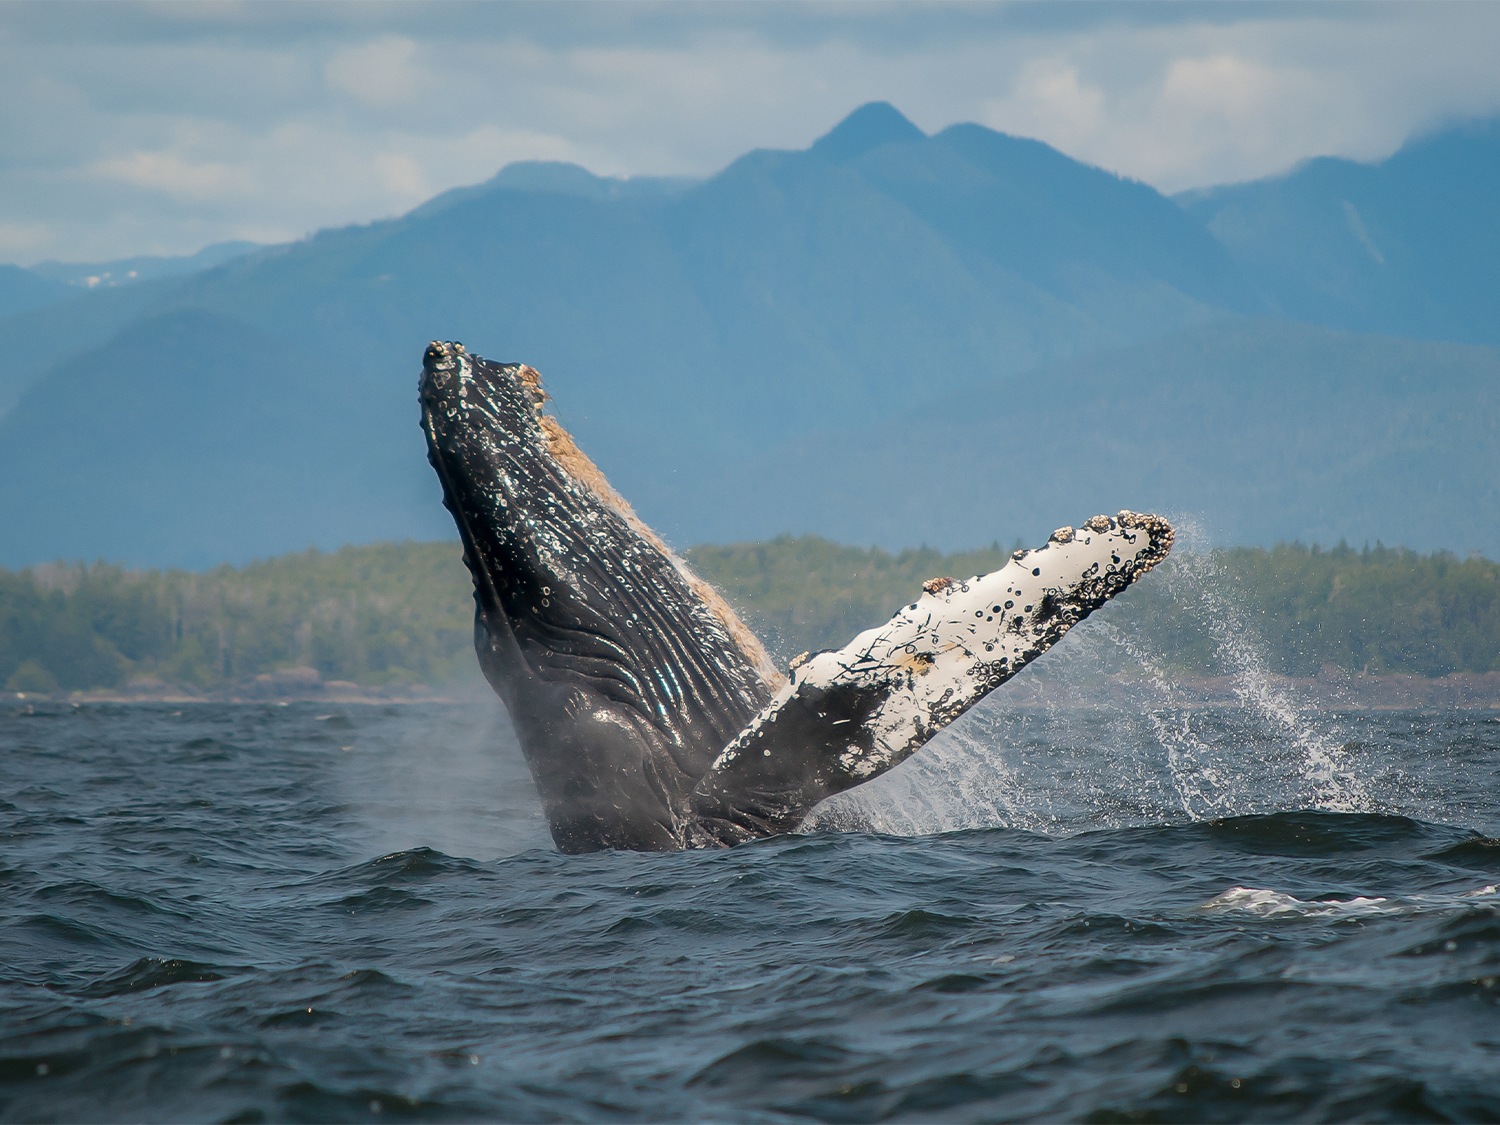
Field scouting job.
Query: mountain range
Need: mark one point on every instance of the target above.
(888, 338)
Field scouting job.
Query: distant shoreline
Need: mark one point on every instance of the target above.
(372, 695)
(292, 685)
(1331, 690)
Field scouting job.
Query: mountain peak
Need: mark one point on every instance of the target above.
(870, 126)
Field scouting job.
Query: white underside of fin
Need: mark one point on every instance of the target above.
(960, 640)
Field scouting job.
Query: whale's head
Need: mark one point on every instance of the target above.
(624, 675)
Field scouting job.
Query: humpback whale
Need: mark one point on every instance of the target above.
(650, 716)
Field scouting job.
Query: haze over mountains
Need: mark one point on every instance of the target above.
(1409, 246)
(887, 338)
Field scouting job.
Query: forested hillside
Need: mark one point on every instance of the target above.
(388, 612)
(1257, 431)
(886, 338)
(396, 613)
(1407, 246)
(677, 331)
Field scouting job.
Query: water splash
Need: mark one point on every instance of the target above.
(1112, 696)
(454, 781)
(957, 782)
(1323, 766)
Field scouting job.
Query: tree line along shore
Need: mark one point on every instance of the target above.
(391, 616)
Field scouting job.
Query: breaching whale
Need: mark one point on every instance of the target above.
(650, 716)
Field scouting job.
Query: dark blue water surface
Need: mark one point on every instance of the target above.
(310, 913)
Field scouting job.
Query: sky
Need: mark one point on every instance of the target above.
(158, 128)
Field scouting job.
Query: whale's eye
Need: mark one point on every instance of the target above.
(1037, 570)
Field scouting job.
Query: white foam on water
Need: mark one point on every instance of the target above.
(1263, 903)
(1272, 904)
(1205, 785)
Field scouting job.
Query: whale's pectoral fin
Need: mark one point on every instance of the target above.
(848, 716)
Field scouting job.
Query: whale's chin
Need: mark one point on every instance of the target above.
(650, 715)
(622, 680)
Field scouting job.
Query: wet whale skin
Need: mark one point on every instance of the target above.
(650, 716)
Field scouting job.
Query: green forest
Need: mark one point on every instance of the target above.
(381, 614)
(401, 613)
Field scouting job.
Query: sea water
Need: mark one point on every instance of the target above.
(221, 912)
(1150, 910)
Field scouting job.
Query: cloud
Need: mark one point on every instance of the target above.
(170, 173)
(1188, 105)
(149, 127)
(23, 240)
(1188, 119)
(1049, 97)
(379, 73)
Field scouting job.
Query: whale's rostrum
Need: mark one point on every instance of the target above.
(650, 716)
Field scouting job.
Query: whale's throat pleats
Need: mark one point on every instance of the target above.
(650, 716)
(576, 463)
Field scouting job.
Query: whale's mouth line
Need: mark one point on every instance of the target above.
(472, 555)
(486, 596)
